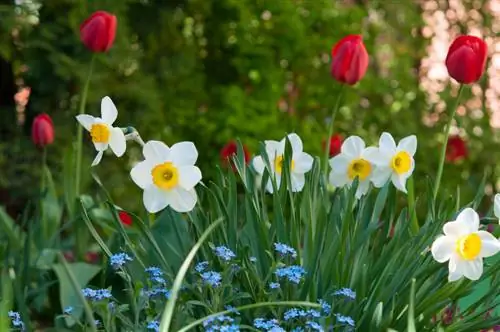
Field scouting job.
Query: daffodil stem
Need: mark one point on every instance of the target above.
(445, 143)
(330, 129)
(415, 227)
(79, 137)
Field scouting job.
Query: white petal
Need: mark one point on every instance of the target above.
(274, 149)
(470, 219)
(380, 176)
(184, 154)
(258, 164)
(298, 181)
(303, 163)
(473, 269)
(376, 156)
(101, 146)
(85, 120)
(269, 186)
(156, 151)
(455, 268)
(154, 199)
(408, 144)
(117, 142)
(353, 146)
(189, 176)
(399, 181)
(337, 179)
(496, 206)
(387, 144)
(97, 158)
(490, 245)
(108, 110)
(141, 174)
(295, 142)
(443, 248)
(181, 200)
(339, 163)
(363, 188)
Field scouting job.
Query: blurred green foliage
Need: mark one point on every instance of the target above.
(214, 70)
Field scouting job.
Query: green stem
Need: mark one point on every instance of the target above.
(330, 129)
(45, 226)
(445, 143)
(415, 227)
(79, 137)
(251, 306)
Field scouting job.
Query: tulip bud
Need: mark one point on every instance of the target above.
(42, 130)
(349, 60)
(229, 151)
(98, 31)
(456, 149)
(466, 59)
(335, 145)
(125, 218)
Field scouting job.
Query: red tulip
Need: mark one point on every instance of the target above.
(466, 59)
(125, 218)
(230, 150)
(349, 60)
(42, 130)
(335, 145)
(98, 31)
(456, 149)
(92, 257)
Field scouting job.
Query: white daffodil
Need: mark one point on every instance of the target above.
(168, 176)
(102, 132)
(301, 162)
(350, 164)
(496, 206)
(464, 246)
(393, 162)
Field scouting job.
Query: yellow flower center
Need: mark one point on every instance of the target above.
(469, 246)
(359, 168)
(401, 162)
(278, 164)
(165, 176)
(99, 133)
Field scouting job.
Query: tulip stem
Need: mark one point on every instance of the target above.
(330, 129)
(81, 110)
(445, 143)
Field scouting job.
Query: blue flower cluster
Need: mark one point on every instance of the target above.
(346, 292)
(295, 313)
(16, 320)
(220, 323)
(201, 266)
(274, 285)
(157, 291)
(285, 250)
(345, 320)
(268, 325)
(326, 308)
(211, 278)
(153, 325)
(224, 253)
(119, 260)
(96, 294)
(293, 273)
(155, 275)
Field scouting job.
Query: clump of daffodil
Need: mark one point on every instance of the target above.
(102, 132)
(496, 206)
(352, 163)
(394, 162)
(301, 162)
(464, 246)
(168, 176)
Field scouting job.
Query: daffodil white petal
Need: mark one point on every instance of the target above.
(496, 206)
(97, 158)
(454, 228)
(399, 181)
(377, 157)
(353, 146)
(295, 142)
(443, 248)
(269, 186)
(339, 163)
(303, 163)
(469, 219)
(154, 199)
(109, 112)
(189, 176)
(258, 164)
(184, 153)
(380, 176)
(141, 174)
(338, 179)
(273, 149)
(408, 144)
(298, 181)
(455, 269)
(117, 142)
(473, 269)
(101, 146)
(156, 151)
(181, 200)
(490, 245)
(387, 145)
(363, 188)
(85, 120)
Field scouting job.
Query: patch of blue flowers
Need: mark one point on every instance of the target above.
(293, 273)
(117, 261)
